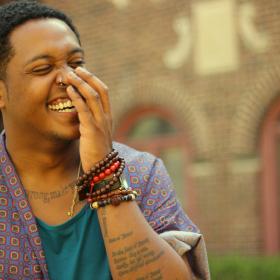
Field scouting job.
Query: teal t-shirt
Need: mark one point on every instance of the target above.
(75, 249)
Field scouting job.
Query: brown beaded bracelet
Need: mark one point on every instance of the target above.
(117, 169)
(113, 194)
(108, 187)
(87, 186)
(115, 201)
(83, 193)
(98, 168)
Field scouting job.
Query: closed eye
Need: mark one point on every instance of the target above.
(77, 63)
(41, 70)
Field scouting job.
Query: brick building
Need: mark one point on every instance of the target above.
(197, 83)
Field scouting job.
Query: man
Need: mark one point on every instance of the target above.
(58, 124)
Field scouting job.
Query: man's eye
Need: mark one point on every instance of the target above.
(77, 63)
(42, 69)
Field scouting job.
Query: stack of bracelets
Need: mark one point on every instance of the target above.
(102, 184)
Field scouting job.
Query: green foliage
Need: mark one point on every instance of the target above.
(244, 268)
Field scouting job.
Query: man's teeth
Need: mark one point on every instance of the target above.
(63, 106)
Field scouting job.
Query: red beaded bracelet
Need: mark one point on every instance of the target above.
(117, 167)
(98, 168)
(103, 175)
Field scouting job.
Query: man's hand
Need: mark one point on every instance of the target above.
(90, 97)
(123, 226)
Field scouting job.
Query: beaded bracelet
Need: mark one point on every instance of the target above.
(84, 192)
(115, 201)
(98, 168)
(96, 178)
(105, 190)
(116, 168)
(114, 197)
(113, 194)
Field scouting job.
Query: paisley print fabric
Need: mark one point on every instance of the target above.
(21, 253)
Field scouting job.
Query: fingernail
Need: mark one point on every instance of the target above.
(80, 69)
(71, 88)
(71, 74)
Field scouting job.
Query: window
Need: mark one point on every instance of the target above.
(270, 191)
(157, 131)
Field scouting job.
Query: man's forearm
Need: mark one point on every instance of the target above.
(134, 249)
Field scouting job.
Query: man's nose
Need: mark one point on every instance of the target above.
(61, 77)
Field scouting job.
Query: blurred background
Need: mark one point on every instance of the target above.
(196, 82)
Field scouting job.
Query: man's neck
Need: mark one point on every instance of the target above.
(44, 163)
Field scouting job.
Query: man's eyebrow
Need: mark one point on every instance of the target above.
(76, 50)
(46, 56)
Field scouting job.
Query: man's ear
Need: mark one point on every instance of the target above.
(3, 94)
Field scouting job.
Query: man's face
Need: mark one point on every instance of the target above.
(45, 50)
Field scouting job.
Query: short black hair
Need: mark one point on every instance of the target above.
(16, 13)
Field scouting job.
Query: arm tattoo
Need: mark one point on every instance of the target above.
(104, 221)
(131, 258)
(121, 237)
(153, 275)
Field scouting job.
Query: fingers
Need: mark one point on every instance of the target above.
(85, 115)
(92, 98)
(98, 85)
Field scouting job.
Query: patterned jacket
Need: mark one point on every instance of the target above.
(21, 253)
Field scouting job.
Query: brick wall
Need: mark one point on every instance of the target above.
(152, 52)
